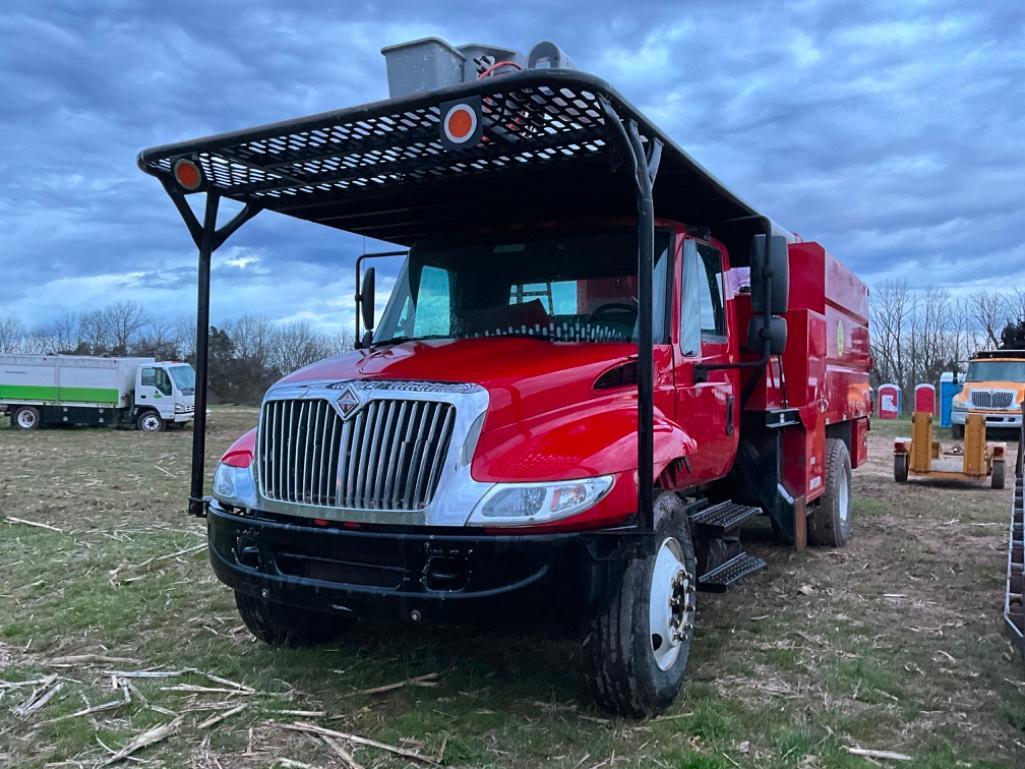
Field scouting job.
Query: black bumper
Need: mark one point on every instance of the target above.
(433, 575)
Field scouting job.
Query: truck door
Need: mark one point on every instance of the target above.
(707, 409)
(153, 389)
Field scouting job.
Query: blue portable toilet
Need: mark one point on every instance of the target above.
(948, 389)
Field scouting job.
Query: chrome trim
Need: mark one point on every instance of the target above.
(994, 399)
(394, 418)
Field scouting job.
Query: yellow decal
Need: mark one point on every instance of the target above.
(839, 339)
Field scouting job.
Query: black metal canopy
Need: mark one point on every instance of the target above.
(382, 170)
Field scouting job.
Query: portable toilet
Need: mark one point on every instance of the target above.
(949, 387)
(889, 401)
(925, 398)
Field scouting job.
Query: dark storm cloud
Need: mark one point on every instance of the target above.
(890, 131)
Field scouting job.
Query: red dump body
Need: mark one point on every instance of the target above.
(825, 367)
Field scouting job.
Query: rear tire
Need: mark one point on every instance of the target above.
(150, 422)
(900, 468)
(957, 432)
(996, 478)
(636, 648)
(830, 523)
(26, 418)
(279, 625)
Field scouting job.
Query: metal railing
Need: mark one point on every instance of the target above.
(1014, 597)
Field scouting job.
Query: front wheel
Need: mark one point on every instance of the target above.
(277, 624)
(150, 422)
(957, 432)
(26, 418)
(636, 649)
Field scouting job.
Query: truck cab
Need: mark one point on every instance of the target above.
(994, 386)
(164, 394)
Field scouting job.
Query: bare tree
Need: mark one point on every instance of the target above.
(122, 323)
(253, 337)
(12, 334)
(62, 335)
(297, 345)
(991, 314)
(891, 309)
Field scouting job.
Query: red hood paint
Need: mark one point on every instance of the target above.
(524, 377)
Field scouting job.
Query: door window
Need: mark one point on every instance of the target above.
(156, 377)
(712, 315)
(701, 301)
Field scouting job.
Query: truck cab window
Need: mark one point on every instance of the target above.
(562, 287)
(701, 300)
(712, 316)
(156, 377)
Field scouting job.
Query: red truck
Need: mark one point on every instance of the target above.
(581, 305)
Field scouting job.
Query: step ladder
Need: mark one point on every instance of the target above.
(720, 519)
(725, 575)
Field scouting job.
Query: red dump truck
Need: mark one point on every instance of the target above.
(597, 365)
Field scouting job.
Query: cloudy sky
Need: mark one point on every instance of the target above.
(893, 132)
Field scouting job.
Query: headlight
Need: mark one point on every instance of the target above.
(235, 485)
(961, 405)
(523, 504)
(179, 408)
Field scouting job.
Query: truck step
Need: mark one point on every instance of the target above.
(717, 520)
(724, 576)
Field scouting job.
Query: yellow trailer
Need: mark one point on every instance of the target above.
(975, 460)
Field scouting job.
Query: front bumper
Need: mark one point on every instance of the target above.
(438, 575)
(993, 418)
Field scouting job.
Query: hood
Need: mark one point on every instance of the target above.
(524, 377)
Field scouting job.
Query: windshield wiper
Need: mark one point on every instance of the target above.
(401, 339)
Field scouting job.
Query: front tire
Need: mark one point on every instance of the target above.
(26, 418)
(830, 523)
(279, 625)
(636, 648)
(957, 432)
(150, 422)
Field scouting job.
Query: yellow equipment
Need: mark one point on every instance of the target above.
(974, 461)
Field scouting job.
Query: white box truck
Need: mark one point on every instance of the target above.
(38, 390)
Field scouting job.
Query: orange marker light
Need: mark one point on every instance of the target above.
(460, 123)
(187, 174)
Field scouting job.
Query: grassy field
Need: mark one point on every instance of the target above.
(892, 644)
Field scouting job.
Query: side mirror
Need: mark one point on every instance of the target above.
(760, 328)
(770, 268)
(366, 299)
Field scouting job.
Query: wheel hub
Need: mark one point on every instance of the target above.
(671, 605)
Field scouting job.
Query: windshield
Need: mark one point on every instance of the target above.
(184, 378)
(564, 287)
(996, 371)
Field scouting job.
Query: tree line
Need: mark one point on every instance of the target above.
(246, 355)
(917, 334)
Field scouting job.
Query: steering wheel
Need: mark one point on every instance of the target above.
(615, 306)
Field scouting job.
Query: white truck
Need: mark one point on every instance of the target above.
(38, 390)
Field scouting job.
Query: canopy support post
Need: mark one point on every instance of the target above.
(644, 168)
(208, 238)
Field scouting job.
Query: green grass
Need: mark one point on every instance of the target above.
(778, 677)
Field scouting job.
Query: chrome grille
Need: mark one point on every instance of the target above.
(388, 455)
(988, 399)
